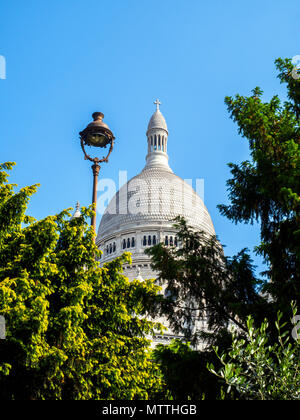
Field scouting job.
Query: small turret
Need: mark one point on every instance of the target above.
(157, 135)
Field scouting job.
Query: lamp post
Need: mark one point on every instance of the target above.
(96, 134)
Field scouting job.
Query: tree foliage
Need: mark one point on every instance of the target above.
(260, 370)
(185, 373)
(267, 188)
(73, 330)
(202, 284)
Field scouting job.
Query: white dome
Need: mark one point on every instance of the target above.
(157, 121)
(142, 212)
(154, 197)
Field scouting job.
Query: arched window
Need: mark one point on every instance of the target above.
(159, 142)
(128, 243)
(132, 242)
(151, 148)
(145, 240)
(175, 241)
(171, 240)
(166, 240)
(124, 243)
(114, 247)
(110, 248)
(107, 249)
(154, 240)
(155, 144)
(149, 240)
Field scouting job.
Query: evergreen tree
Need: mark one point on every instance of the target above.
(201, 283)
(73, 330)
(267, 188)
(185, 372)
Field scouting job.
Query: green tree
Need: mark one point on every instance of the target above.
(266, 189)
(185, 373)
(202, 283)
(73, 330)
(260, 370)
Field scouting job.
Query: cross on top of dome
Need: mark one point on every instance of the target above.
(157, 120)
(157, 103)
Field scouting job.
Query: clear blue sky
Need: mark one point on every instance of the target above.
(66, 59)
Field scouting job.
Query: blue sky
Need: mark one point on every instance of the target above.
(67, 59)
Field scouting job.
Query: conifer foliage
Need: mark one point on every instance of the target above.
(267, 188)
(73, 330)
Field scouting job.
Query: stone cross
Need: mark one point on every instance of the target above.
(157, 103)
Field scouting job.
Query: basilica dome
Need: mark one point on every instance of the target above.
(142, 212)
(156, 195)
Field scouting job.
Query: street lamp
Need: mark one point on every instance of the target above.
(96, 134)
